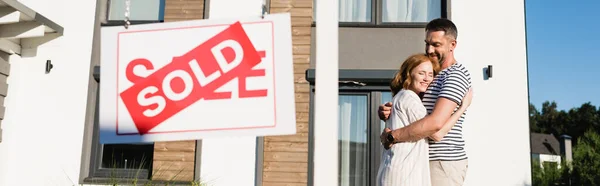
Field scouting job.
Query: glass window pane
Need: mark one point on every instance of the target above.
(385, 97)
(410, 10)
(353, 148)
(355, 11)
(127, 156)
(140, 10)
(351, 11)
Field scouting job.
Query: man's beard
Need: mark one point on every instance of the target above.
(438, 58)
(441, 59)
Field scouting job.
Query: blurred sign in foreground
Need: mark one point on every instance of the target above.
(195, 79)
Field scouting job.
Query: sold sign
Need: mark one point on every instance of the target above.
(190, 80)
(192, 77)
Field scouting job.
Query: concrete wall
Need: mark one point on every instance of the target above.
(43, 130)
(375, 48)
(497, 125)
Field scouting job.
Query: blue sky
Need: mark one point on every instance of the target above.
(563, 46)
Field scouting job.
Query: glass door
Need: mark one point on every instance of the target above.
(353, 148)
(359, 127)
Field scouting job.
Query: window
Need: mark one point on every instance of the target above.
(124, 161)
(140, 11)
(388, 12)
(119, 161)
(359, 127)
(410, 10)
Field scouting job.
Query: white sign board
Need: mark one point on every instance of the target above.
(195, 79)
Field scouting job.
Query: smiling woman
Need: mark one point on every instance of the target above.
(404, 79)
(407, 163)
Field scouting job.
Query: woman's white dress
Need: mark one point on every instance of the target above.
(405, 164)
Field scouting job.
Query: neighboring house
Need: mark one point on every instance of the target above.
(546, 149)
(50, 130)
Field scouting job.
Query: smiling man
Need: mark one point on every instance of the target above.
(447, 157)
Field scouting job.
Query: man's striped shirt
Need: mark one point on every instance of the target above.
(451, 83)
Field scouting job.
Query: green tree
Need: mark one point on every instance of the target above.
(582, 119)
(550, 174)
(597, 127)
(586, 160)
(534, 117)
(583, 125)
(551, 120)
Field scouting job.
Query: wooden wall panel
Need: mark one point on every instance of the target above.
(286, 157)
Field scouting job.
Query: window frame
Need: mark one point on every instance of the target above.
(376, 18)
(122, 22)
(346, 91)
(375, 82)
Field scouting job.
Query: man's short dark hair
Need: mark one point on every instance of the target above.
(442, 24)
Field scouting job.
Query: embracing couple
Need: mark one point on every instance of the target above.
(423, 138)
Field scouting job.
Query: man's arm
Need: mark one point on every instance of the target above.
(453, 88)
(429, 125)
(466, 102)
(439, 135)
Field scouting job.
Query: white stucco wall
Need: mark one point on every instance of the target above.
(549, 158)
(44, 121)
(541, 158)
(496, 129)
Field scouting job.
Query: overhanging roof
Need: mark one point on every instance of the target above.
(22, 28)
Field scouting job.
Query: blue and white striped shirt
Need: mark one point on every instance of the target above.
(452, 83)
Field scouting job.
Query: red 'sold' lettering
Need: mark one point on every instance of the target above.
(192, 77)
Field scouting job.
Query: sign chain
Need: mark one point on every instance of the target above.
(127, 12)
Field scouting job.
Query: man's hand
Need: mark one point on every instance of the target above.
(384, 111)
(387, 145)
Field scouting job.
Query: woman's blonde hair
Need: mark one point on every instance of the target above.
(402, 79)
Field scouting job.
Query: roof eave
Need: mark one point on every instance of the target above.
(22, 29)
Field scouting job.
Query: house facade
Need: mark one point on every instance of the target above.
(50, 123)
(547, 149)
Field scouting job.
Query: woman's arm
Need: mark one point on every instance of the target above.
(466, 102)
